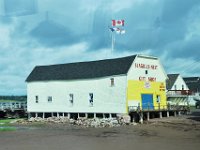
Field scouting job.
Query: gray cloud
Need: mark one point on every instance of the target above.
(176, 10)
(186, 48)
(77, 30)
(50, 34)
(6, 20)
(20, 7)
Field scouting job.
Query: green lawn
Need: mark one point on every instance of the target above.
(5, 125)
(6, 122)
(7, 129)
(2, 101)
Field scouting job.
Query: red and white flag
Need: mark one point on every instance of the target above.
(117, 23)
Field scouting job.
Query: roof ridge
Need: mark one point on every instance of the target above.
(108, 59)
(82, 70)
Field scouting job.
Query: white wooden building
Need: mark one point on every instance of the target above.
(103, 87)
(177, 90)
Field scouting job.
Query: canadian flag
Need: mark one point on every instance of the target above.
(117, 23)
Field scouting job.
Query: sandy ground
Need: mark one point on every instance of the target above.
(174, 133)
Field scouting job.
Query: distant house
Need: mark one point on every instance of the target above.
(103, 87)
(194, 85)
(177, 90)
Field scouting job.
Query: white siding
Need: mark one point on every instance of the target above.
(179, 83)
(158, 73)
(106, 98)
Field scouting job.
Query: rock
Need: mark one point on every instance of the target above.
(72, 121)
(133, 123)
(123, 119)
(87, 122)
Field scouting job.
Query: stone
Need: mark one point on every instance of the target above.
(87, 122)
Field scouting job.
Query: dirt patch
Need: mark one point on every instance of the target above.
(180, 133)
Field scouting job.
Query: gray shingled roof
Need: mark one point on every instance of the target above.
(193, 83)
(82, 70)
(171, 80)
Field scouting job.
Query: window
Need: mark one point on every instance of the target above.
(36, 99)
(49, 99)
(71, 98)
(182, 87)
(91, 99)
(146, 71)
(112, 81)
(158, 98)
(175, 87)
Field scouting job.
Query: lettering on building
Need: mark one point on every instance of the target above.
(146, 66)
(151, 79)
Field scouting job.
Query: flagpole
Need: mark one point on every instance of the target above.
(115, 29)
(113, 43)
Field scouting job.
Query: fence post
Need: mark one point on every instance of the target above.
(138, 108)
(168, 106)
(174, 113)
(141, 117)
(167, 113)
(148, 114)
(160, 114)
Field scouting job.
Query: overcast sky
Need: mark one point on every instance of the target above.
(47, 32)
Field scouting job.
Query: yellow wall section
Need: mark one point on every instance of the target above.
(137, 88)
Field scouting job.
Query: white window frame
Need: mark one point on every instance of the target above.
(158, 98)
(49, 99)
(175, 87)
(112, 82)
(183, 87)
(36, 99)
(71, 99)
(91, 99)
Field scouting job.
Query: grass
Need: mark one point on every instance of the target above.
(2, 101)
(7, 129)
(6, 122)
(5, 125)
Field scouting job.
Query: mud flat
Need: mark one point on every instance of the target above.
(174, 133)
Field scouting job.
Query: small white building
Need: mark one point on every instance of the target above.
(194, 85)
(177, 90)
(96, 88)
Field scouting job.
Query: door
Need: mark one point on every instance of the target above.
(147, 101)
